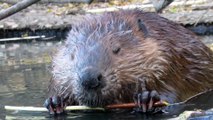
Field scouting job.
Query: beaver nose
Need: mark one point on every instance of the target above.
(90, 79)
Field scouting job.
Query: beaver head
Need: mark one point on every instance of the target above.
(95, 63)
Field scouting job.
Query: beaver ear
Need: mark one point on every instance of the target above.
(142, 27)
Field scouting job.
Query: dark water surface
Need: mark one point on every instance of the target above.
(24, 76)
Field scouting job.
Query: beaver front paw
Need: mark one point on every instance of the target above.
(146, 101)
(55, 105)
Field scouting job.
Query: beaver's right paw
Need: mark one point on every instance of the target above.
(55, 105)
(146, 101)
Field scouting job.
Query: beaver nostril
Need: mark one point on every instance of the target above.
(100, 77)
(90, 79)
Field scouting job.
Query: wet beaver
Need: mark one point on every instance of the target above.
(126, 56)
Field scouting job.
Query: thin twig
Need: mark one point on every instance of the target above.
(22, 38)
(50, 1)
(16, 8)
(41, 109)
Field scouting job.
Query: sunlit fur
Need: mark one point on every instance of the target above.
(170, 60)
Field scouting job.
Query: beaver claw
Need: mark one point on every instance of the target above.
(54, 105)
(146, 100)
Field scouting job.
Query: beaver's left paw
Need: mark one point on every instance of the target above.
(147, 100)
(55, 105)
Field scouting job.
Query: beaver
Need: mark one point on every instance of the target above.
(128, 56)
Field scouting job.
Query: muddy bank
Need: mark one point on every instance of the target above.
(53, 16)
(43, 19)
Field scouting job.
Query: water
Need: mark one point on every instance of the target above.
(24, 77)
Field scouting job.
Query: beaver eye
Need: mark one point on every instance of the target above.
(116, 50)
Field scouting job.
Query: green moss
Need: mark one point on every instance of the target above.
(173, 10)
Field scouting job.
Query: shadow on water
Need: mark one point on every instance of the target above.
(24, 76)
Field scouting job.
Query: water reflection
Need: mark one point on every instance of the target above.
(24, 73)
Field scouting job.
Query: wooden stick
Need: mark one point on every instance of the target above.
(43, 109)
(16, 8)
(74, 108)
(49, 1)
(22, 38)
(132, 105)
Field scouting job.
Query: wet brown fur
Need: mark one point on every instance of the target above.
(170, 59)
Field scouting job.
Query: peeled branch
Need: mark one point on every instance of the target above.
(76, 108)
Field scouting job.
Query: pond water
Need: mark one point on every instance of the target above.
(24, 76)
